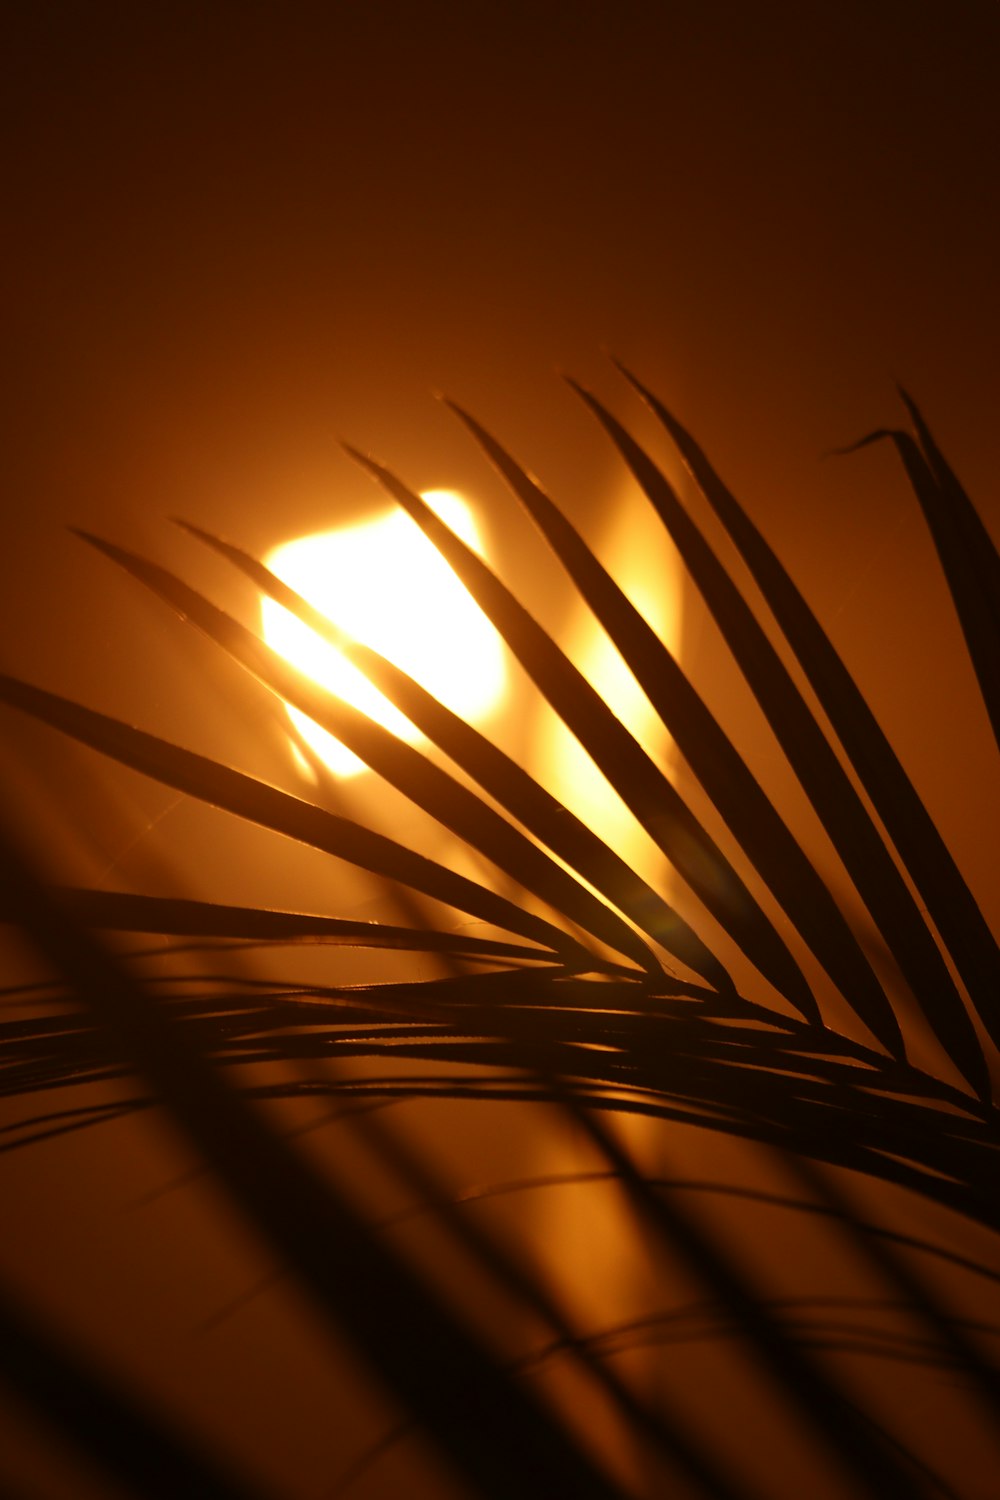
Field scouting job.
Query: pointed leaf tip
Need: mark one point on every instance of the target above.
(633, 379)
(363, 460)
(100, 544)
(879, 435)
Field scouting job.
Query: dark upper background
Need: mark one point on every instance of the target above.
(238, 231)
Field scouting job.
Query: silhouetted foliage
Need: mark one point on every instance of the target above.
(583, 993)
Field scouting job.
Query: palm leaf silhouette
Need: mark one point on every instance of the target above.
(584, 995)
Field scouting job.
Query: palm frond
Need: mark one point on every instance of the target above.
(567, 1007)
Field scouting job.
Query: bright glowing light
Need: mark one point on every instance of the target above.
(385, 584)
(637, 551)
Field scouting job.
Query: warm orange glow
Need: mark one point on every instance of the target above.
(635, 549)
(385, 584)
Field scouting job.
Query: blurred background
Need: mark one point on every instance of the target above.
(238, 233)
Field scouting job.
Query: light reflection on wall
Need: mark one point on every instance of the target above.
(636, 551)
(385, 584)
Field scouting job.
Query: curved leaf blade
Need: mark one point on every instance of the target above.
(127, 911)
(969, 559)
(401, 765)
(718, 766)
(508, 783)
(821, 775)
(256, 802)
(634, 775)
(937, 877)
